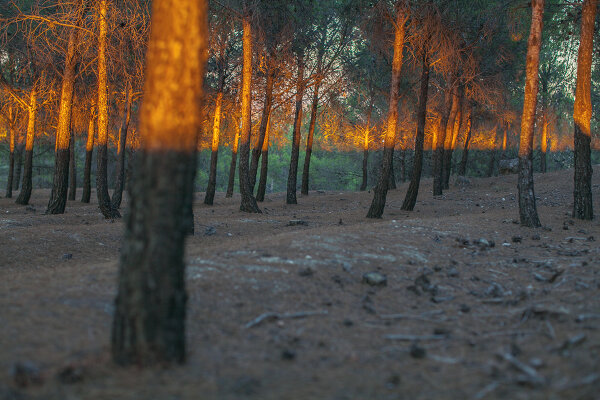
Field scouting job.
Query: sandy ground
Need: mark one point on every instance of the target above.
(513, 316)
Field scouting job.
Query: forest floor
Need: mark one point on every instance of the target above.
(475, 306)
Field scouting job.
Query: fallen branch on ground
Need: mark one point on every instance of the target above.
(272, 316)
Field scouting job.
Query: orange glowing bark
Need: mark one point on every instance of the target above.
(248, 202)
(26, 186)
(544, 142)
(363, 185)
(380, 192)
(582, 114)
(264, 164)
(527, 206)
(149, 318)
(58, 196)
(89, 148)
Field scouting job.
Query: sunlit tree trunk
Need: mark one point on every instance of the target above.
(58, 196)
(462, 169)
(582, 113)
(248, 203)
(365, 164)
(527, 207)
(380, 191)
(264, 164)
(72, 167)
(89, 148)
(149, 319)
(102, 147)
(438, 152)
(11, 155)
(234, 152)
(311, 127)
(256, 152)
(452, 129)
(544, 144)
(212, 175)
(117, 196)
(26, 186)
(293, 170)
(413, 188)
(505, 140)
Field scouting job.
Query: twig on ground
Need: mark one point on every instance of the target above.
(272, 316)
(486, 390)
(534, 377)
(413, 338)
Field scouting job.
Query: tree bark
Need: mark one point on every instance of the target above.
(248, 203)
(582, 113)
(493, 154)
(19, 148)
(413, 189)
(293, 170)
(256, 152)
(72, 168)
(58, 196)
(117, 196)
(454, 129)
(365, 165)
(27, 186)
(104, 202)
(149, 320)
(311, 127)
(234, 152)
(544, 143)
(462, 169)
(89, 148)
(11, 162)
(527, 207)
(380, 191)
(264, 164)
(438, 152)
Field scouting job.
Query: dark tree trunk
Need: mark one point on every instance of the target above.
(102, 184)
(89, 148)
(380, 192)
(117, 196)
(403, 165)
(462, 169)
(582, 194)
(365, 165)
(264, 165)
(231, 180)
(150, 307)
(58, 196)
(19, 149)
(438, 153)
(248, 203)
(293, 170)
(492, 163)
(11, 164)
(527, 207)
(455, 132)
(413, 189)
(211, 187)
(392, 177)
(72, 169)
(26, 186)
(256, 152)
(447, 155)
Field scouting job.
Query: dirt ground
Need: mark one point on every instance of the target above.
(475, 306)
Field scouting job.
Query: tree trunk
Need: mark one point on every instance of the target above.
(380, 192)
(58, 196)
(104, 203)
(117, 196)
(544, 144)
(438, 159)
(72, 168)
(527, 207)
(248, 203)
(504, 140)
(26, 186)
(365, 165)
(234, 152)
(11, 162)
(493, 153)
(413, 189)
(462, 169)
(89, 148)
(256, 152)
(19, 149)
(392, 177)
(293, 170)
(311, 128)
(403, 165)
(450, 142)
(149, 320)
(212, 175)
(264, 164)
(582, 113)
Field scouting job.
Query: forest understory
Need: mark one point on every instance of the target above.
(290, 303)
